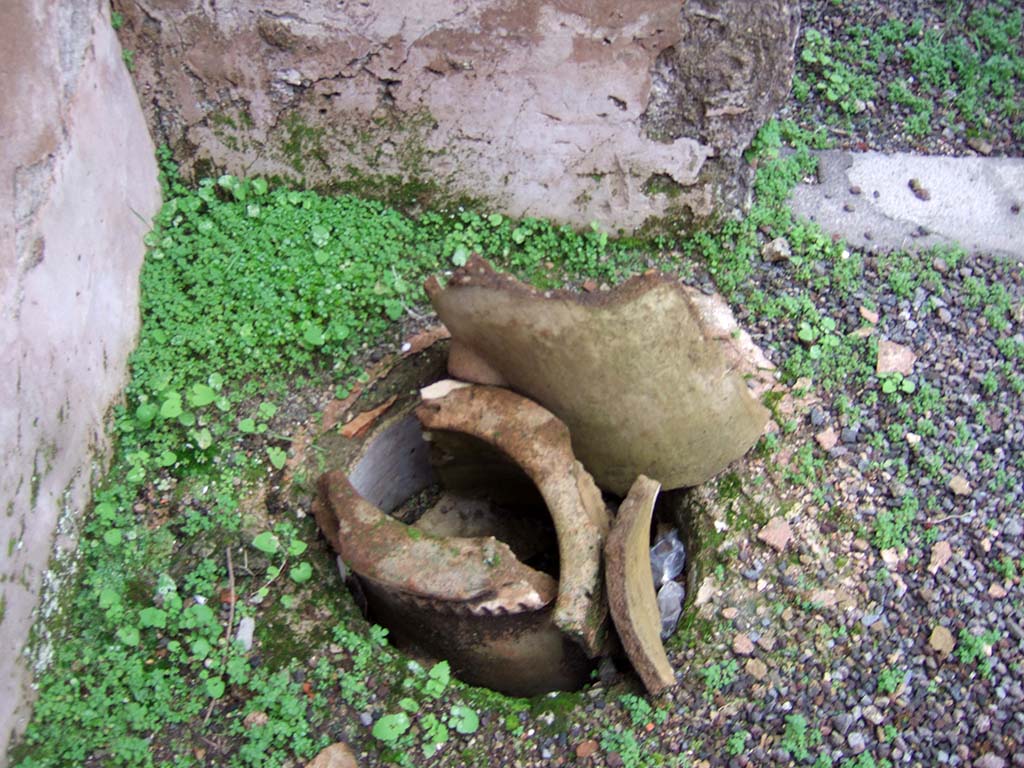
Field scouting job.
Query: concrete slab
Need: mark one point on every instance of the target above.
(904, 201)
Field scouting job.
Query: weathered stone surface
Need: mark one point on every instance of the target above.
(538, 443)
(575, 110)
(756, 668)
(338, 755)
(941, 553)
(959, 485)
(79, 188)
(894, 358)
(742, 645)
(941, 640)
(630, 585)
(776, 534)
(633, 363)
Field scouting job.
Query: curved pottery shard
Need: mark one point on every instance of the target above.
(631, 372)
(631, 596)
(465, 599)
(538, 443)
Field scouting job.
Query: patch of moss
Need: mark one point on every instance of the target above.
(729, 486)
(662, 184)
(562, 706)
(302, 142)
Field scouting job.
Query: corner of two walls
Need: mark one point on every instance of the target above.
(79, 191)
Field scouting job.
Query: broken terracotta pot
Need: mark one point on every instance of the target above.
(631, 372)
(631, 596)
(471, 599)
(537, 443)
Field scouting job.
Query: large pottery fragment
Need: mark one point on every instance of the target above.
(538, 444)
(631, 372)
(631, 595)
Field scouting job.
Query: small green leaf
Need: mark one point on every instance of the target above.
(202, 614)
(187, 419)
(464, 719)
(128, 635)
(203, 438)
(409, 705)
(153, 617)
(214, 687)
(201, 648)
(247, 425)
(201, 395)
(112, 537)
(391, 727)
(460, 257)
(301, 573)
(439, 676)
(267, 410)
(145, 413)
(277, 457)
(314, 336)
(320, 234)
(171, 407)
(259, 186)
(393, 309)
(494, 219)
(109, 598)
(238, 669)
(166, 459)
(296, 547)
(266, 542)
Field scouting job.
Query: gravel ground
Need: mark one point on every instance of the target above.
(881, 125)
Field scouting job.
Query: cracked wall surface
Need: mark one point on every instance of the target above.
(79, 189)
(579, 111)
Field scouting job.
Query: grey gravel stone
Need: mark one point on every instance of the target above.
(856, 742)
(989, 760)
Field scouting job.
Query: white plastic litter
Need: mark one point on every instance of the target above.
(246, 629)
(670, 605)
(668, 557)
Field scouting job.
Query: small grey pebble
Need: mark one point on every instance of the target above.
(857, 742)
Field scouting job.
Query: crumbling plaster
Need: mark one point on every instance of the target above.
(579, 111)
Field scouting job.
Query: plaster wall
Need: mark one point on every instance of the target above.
(580, 111)
(78, 188)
